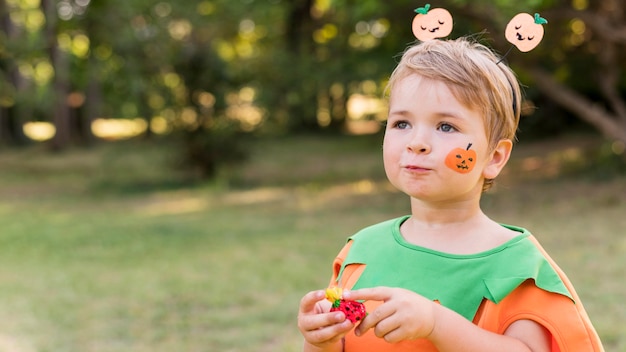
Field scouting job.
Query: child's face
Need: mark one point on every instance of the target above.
(435, 148)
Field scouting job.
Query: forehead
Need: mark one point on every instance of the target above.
(422, 91)
(415, 95)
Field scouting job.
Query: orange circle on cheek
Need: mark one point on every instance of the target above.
(461, 160)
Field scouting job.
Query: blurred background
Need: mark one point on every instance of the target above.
(175, 175)
(207, 73)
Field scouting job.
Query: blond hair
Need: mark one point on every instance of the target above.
(473, 74)
(476, 78)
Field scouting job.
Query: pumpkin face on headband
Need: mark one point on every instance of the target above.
(525, 31)
(430, 24)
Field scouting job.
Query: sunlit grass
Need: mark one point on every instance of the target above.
(109, 251)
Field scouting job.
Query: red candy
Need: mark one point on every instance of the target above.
(354, 311)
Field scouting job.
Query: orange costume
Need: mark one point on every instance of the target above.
(514, 281)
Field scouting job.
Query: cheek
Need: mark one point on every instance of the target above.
(393, 146)
(387, 154)
(390, 157)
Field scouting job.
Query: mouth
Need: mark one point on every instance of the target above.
(519, 37)
(415, 168)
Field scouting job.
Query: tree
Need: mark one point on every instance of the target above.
(581, 62)
(598, 34)
(215, 69)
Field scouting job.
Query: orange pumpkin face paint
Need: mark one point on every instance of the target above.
(461, 160)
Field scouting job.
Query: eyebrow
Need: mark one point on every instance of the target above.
(443, 113)
(451, 114)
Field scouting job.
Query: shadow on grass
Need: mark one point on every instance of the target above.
(586, 157)
(139, 187)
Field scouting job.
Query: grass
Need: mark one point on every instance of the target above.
(107, 249)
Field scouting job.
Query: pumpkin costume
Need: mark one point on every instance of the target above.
(516, 280)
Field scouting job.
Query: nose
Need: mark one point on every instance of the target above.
(419, 144)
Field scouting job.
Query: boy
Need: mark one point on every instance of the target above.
(447, 277)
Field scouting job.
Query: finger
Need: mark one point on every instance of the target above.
(373, 319)
(314, 322)
(307, 303)
(330, 333)
(393, 336)
(365, 294)
(385, 327)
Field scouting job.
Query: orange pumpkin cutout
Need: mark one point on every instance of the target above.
(430, 24)
(525, 31)
(461, 160)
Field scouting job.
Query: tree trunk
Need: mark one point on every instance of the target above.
(11, 122)
(60, 90)
(301, 94)
(579, 105)
(93, 102)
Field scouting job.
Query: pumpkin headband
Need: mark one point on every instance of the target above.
(523, 31)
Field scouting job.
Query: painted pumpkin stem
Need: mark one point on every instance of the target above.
(469, 145)
(423, 10)
(539, 19)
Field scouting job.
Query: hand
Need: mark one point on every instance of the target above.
(318, 325)
(403, 315)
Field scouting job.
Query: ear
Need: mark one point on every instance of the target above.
(499, 157)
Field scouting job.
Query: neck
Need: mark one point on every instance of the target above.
(441, 215)
(454, 228)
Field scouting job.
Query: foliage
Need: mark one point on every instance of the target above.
(298, 62)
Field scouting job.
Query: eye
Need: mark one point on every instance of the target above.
(530, 38)
(423, 28)
(401, 125)
(441, 22)
(518, 27)
(446, 127)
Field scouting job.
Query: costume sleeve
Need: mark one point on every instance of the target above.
(584, 336)
(338, 262)
(564, 317)
(345, 277)
(568, 324)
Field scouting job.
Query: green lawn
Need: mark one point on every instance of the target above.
(108, 250)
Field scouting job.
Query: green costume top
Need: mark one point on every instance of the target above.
(459, 282)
